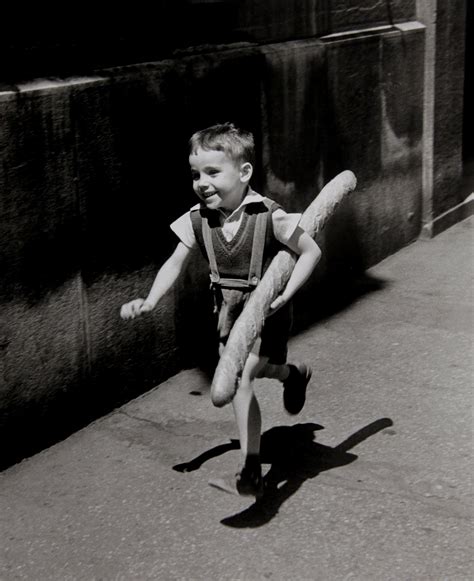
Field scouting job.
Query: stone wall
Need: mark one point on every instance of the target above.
(50, 41)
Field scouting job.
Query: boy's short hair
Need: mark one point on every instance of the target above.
(238, 144)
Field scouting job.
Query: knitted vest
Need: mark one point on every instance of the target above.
(233, 257)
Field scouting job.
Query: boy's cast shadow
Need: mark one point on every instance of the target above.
(294, 457)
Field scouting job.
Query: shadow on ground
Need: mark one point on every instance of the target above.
(323, 299)
(294, 457)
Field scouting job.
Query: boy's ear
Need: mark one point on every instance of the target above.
(246, 171)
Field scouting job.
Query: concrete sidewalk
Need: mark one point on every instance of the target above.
(372, 481)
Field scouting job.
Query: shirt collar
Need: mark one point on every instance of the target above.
(250, 198)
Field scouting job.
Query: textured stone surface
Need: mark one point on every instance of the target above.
(377, 138)
(449, 85)
(124, 236)
(49, 42)
(279, 20)
(446, 29)
(346, 14)
(42, 351)
(295, 108)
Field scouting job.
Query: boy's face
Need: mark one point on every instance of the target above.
(219, 181)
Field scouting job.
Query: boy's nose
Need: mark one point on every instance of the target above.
(203, 185)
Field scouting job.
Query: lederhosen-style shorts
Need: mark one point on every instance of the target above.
(273, 340)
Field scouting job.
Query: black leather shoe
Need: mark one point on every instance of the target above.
(294, 387)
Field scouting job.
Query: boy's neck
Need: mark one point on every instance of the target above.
(235, 204)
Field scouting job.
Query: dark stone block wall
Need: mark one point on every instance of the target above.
(94, 168)
(449, 102)
(63, 41)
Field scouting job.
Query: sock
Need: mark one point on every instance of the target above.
(252, 463)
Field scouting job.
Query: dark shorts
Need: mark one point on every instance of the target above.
(273, 340)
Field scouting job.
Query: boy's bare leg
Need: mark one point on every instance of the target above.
(248, 481)
(246, 408)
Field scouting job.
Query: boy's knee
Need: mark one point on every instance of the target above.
(245, 389)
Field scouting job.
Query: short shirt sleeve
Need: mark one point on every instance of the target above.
(183, 229)
(284, 225)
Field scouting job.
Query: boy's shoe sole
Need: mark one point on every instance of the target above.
(294, 388)
(231, 486)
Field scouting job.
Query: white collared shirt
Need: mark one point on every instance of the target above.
(284, 224)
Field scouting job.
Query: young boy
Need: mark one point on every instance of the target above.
(239, 232)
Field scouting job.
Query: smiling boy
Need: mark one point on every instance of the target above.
(239, 232)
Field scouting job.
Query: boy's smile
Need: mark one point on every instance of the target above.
(218, 180)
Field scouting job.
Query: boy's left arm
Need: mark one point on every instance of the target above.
(309, 254)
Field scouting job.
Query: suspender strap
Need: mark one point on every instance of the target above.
(207, 235)
(258, 244)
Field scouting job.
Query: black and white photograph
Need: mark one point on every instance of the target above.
(237, 291)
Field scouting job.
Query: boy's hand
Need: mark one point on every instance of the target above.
(277, 304)
(135, 308)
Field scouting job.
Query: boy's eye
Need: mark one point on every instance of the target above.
(195, 176)
(213, 172)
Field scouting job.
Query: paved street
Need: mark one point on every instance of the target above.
(372, 481)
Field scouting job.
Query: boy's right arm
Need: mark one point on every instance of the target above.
(164, 280)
